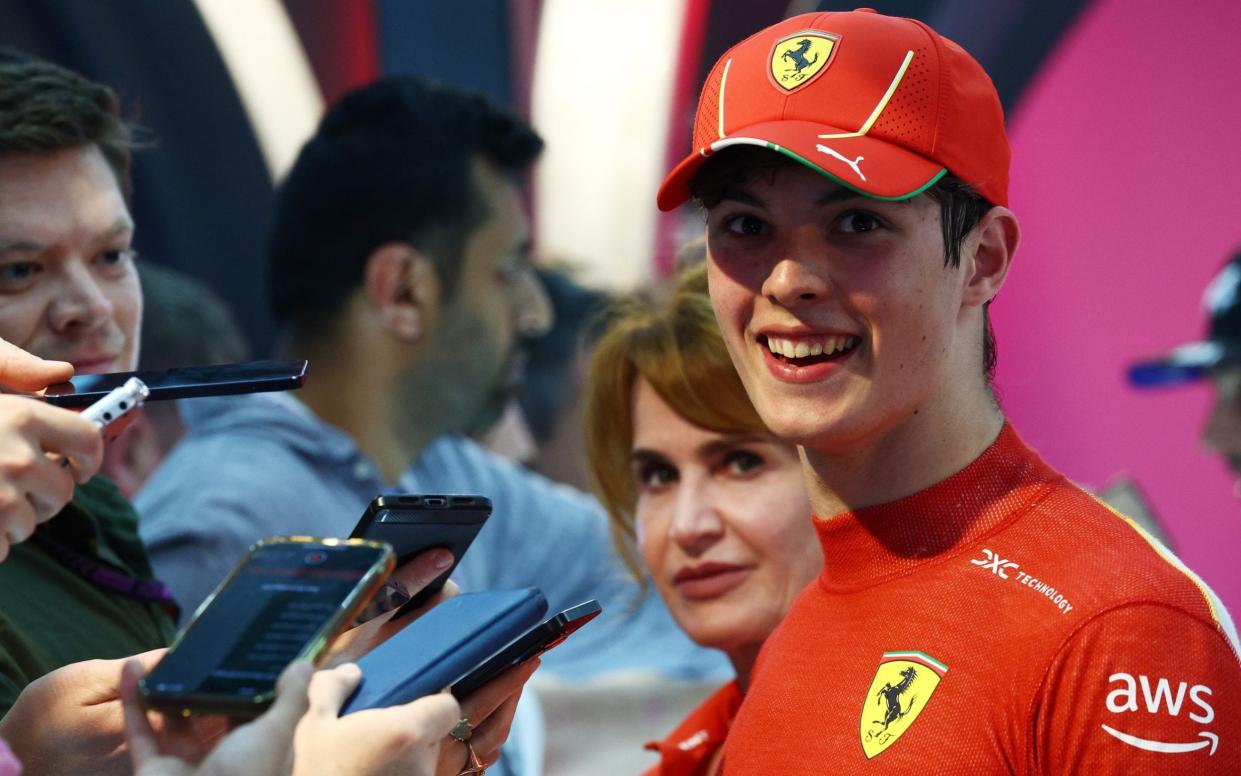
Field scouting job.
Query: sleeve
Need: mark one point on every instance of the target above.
(1142, 688)
(203, 509)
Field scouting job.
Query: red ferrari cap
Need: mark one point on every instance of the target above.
(881, 104)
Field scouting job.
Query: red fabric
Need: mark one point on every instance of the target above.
(688, 749)
(1055, 622)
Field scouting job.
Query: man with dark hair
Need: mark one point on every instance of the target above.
(977, 612)
(399, 266)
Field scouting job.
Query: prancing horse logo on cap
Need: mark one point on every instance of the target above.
(798, 59)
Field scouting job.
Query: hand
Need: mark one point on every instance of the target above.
(400, 739)
(70, 720)
(262, 747)
(490, 711)
(412, 576)
(34, 485)
(26, 372)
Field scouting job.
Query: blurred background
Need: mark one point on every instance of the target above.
(1123, 117)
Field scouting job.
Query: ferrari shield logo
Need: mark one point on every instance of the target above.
(903, 684)
(798, 59)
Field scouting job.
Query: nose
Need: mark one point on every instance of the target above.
(532, 308)
(80, 304)
(696, 525)
(798, 277)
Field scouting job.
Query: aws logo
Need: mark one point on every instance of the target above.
(1158, 696)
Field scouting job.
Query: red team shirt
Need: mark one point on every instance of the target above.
(687, 750)
(1001, 621)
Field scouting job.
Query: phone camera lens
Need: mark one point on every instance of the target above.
(107, 416)
(124, 406)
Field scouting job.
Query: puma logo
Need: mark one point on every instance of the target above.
(851, 162)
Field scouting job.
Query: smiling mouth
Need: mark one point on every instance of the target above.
(806, 351)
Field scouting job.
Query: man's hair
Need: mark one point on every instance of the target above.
(45, 108)
(960, 210)
(677, 348)
(390, 162)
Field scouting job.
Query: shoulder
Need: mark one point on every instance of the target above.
(1135, 684)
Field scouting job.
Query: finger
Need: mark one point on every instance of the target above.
(483, 702)
(24, 371)
(330, 688)
(415, 574)
(433, 716)
(291, 696)
(20, 517)
(491, 734)
(48, 485)
(140, 736)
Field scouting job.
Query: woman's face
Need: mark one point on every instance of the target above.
(723, 524)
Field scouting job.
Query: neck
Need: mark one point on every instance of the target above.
(353, 385)
(929, 446)
(743, 663)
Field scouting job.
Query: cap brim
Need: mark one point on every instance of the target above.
(1184, 364)
(869, 166)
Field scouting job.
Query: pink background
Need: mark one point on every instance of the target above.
(1127, 181)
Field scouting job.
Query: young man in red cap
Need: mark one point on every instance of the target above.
(977, 612)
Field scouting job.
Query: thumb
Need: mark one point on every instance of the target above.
(290, 703)
(22, 371)
(330, 688)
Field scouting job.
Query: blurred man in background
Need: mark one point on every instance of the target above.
(1217, 358)
(399, 266)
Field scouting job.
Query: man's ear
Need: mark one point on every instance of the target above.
(403, 289)
(990, 255)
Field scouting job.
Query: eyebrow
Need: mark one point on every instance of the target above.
(20, 245)
(713, 447)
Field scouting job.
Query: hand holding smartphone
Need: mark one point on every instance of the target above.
(528, 646)
(284, 601)
(442, 645)
(414, 523)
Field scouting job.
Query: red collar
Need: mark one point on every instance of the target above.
(688, 749)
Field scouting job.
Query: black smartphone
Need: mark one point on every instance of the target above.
(285, 600)
(439, 647)
(531, 644)
(184, 382)
(414, 523)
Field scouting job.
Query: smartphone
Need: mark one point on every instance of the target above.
(442, 645)
(413, 523)
(531, 644)
(286, 599)
(184, 382)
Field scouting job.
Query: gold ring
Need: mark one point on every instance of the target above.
(462, 730)
(473, 765)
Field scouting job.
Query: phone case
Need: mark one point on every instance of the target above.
(530, 644)
(443, 645)
(252, 705)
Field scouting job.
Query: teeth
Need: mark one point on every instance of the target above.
(801, 349)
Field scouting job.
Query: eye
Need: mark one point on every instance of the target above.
(655, 475)
(858, 221)
(746, 225)
(18, 275)
(117, 257)
(740, 463)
